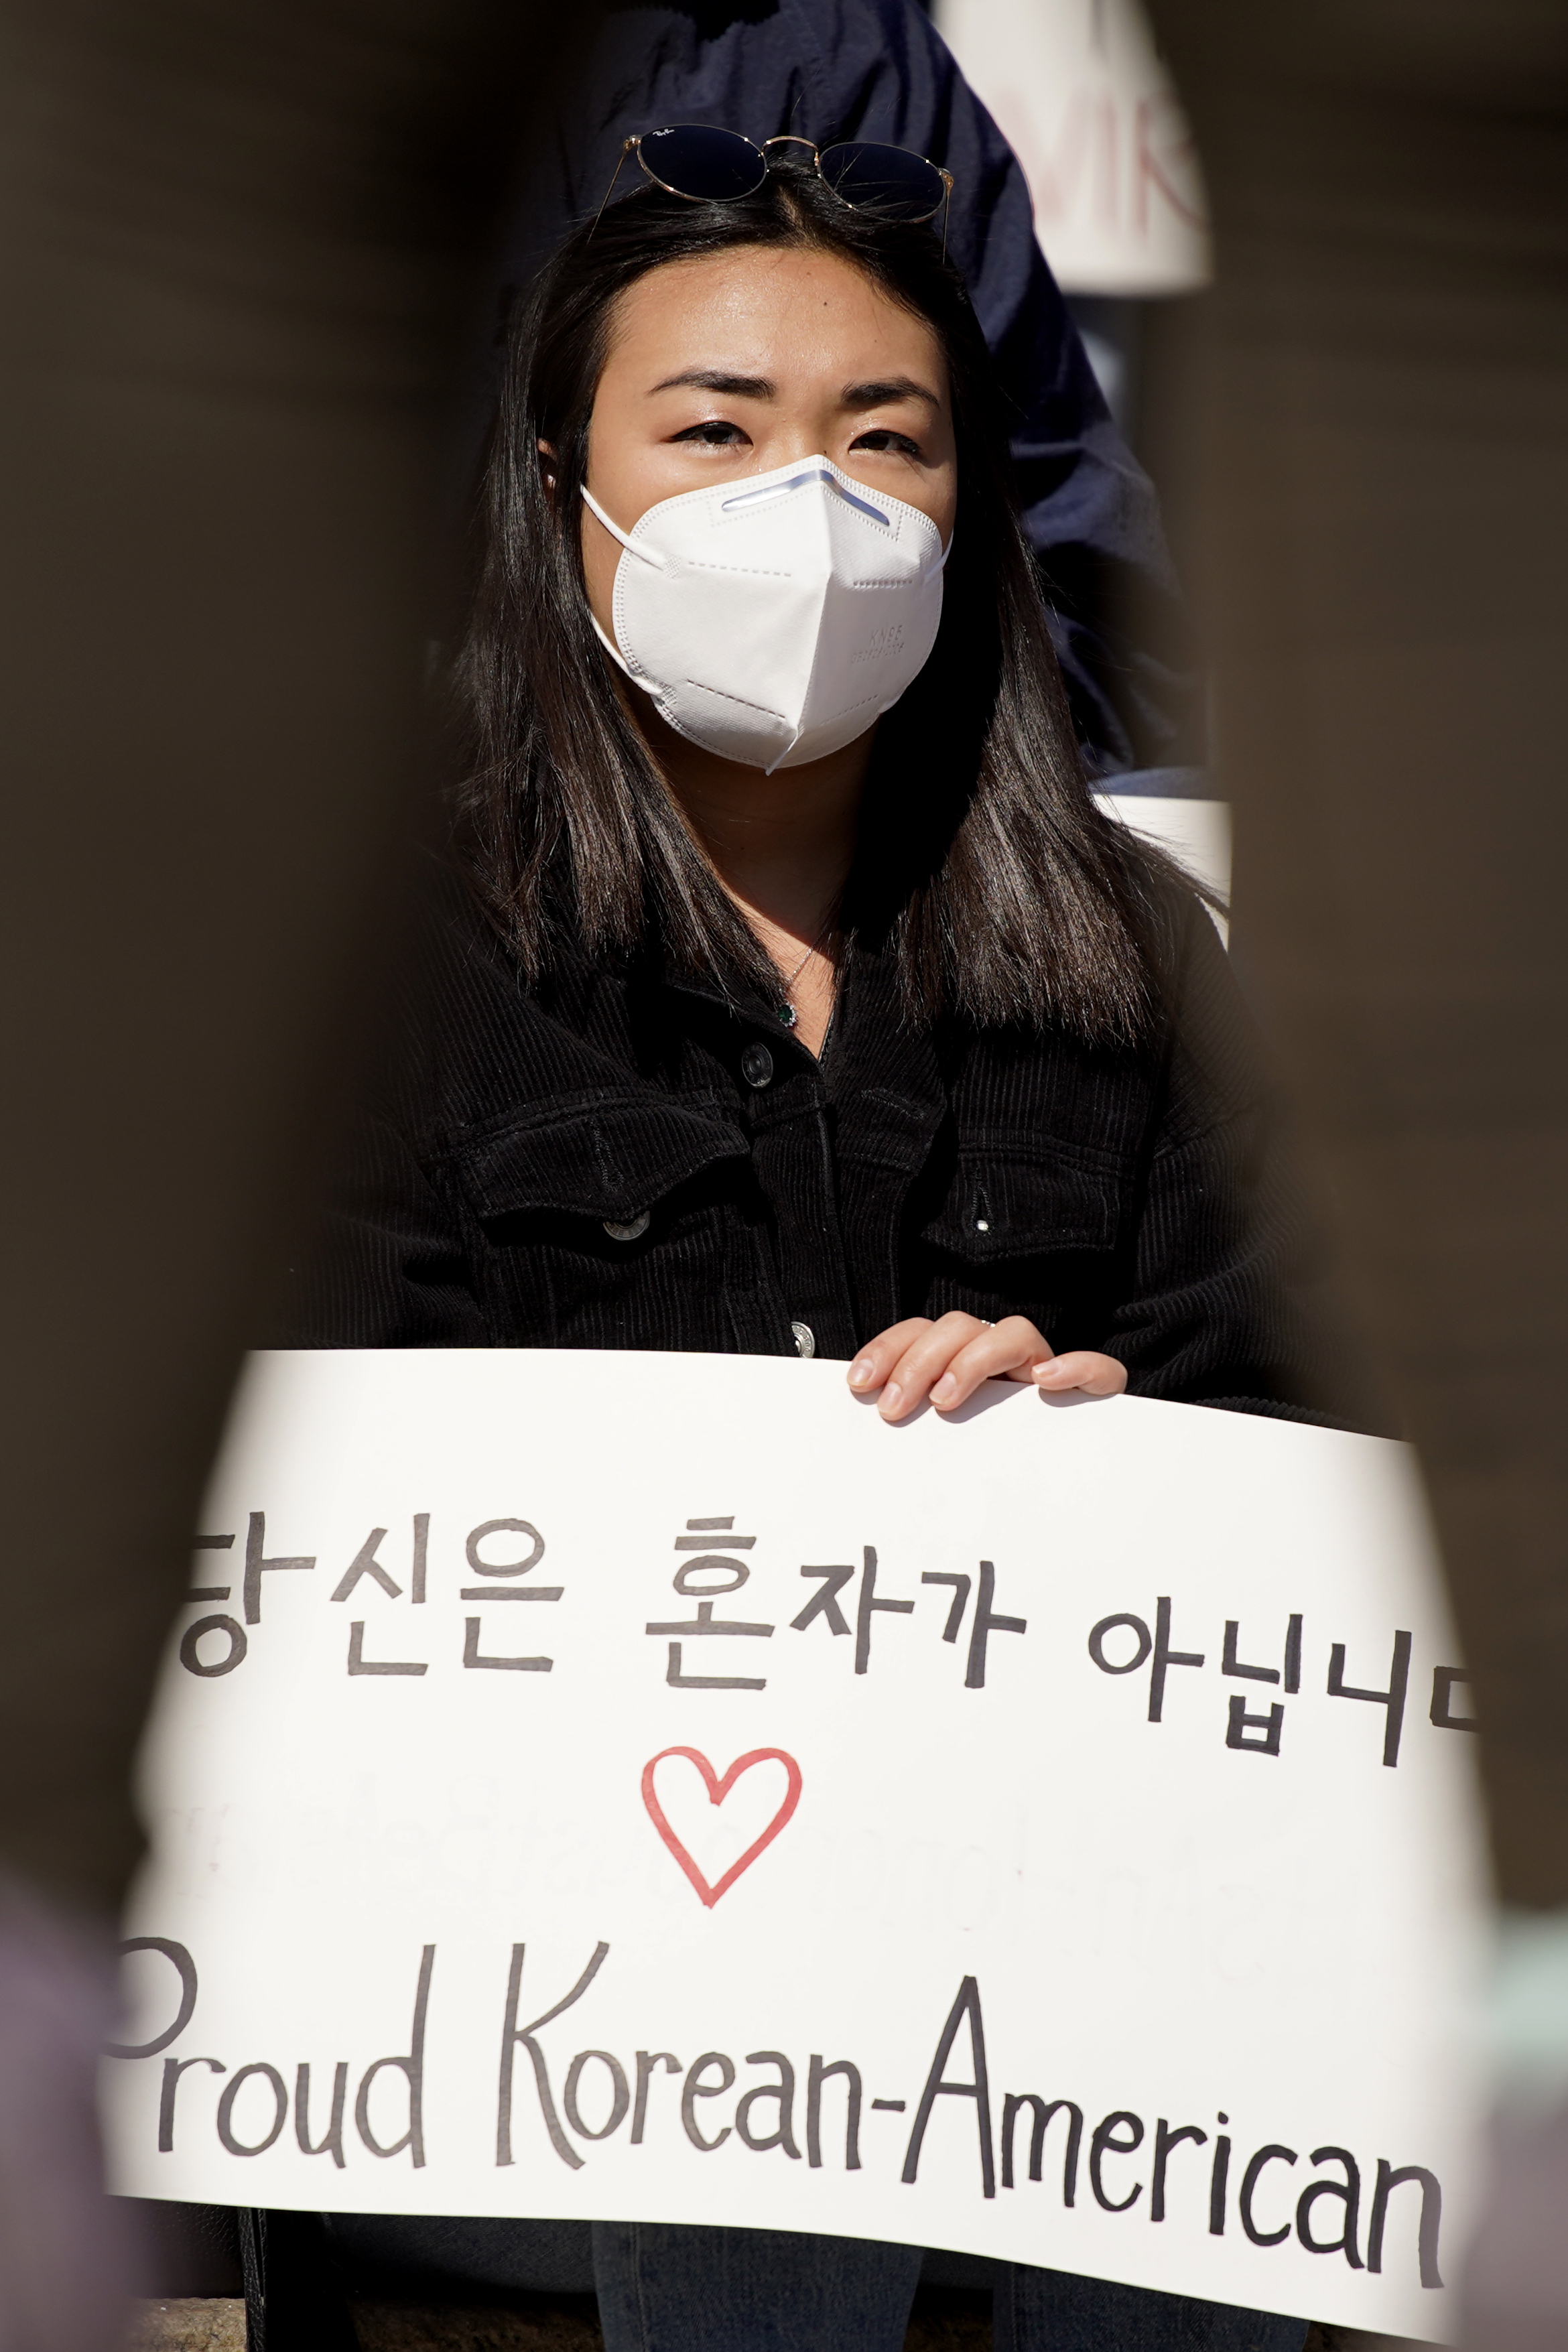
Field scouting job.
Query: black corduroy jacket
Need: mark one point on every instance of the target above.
(619, 1160)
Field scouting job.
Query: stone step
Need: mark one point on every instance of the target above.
(190, 2324)
(944, 2320)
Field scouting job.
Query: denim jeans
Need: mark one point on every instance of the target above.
(664, 2287)
(1052, 2311)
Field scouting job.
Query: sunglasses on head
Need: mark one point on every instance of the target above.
(720, 167)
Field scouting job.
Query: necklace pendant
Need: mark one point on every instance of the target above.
(789, 1016)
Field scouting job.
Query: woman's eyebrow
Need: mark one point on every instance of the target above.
(737, 387)
(882, 390)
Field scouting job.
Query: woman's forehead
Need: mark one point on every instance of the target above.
(775, 311)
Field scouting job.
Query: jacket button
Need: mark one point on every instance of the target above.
(633, 1231)
(756, 1066)
(805, 1339)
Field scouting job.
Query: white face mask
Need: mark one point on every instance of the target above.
(773, 620)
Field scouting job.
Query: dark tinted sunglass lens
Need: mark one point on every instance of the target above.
(891, 181)
(713, 166)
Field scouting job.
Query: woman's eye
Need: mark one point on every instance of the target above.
(883, 440)
(714, 433)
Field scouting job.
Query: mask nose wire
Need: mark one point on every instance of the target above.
(644, 554)
(829, 476)
(855, 497)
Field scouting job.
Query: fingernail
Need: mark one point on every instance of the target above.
(1038, 1371)
(946, 1388)
(892, 1398)
(860, 1373)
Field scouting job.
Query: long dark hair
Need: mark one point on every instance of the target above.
(984, 865)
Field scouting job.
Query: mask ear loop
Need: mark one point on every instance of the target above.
(644, 554)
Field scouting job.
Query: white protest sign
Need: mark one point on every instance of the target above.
(650, 1786)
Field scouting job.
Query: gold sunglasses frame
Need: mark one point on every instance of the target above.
(633, 146)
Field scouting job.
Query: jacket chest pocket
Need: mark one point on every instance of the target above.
(1031, 1233)
(607, 1225)
(1003, 1205)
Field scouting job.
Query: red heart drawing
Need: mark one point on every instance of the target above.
(717, 1791)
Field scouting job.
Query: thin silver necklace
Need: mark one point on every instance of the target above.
(789, 1016)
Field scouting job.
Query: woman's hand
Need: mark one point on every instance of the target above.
(946, 1361)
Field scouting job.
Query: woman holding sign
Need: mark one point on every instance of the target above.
(793, 995)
